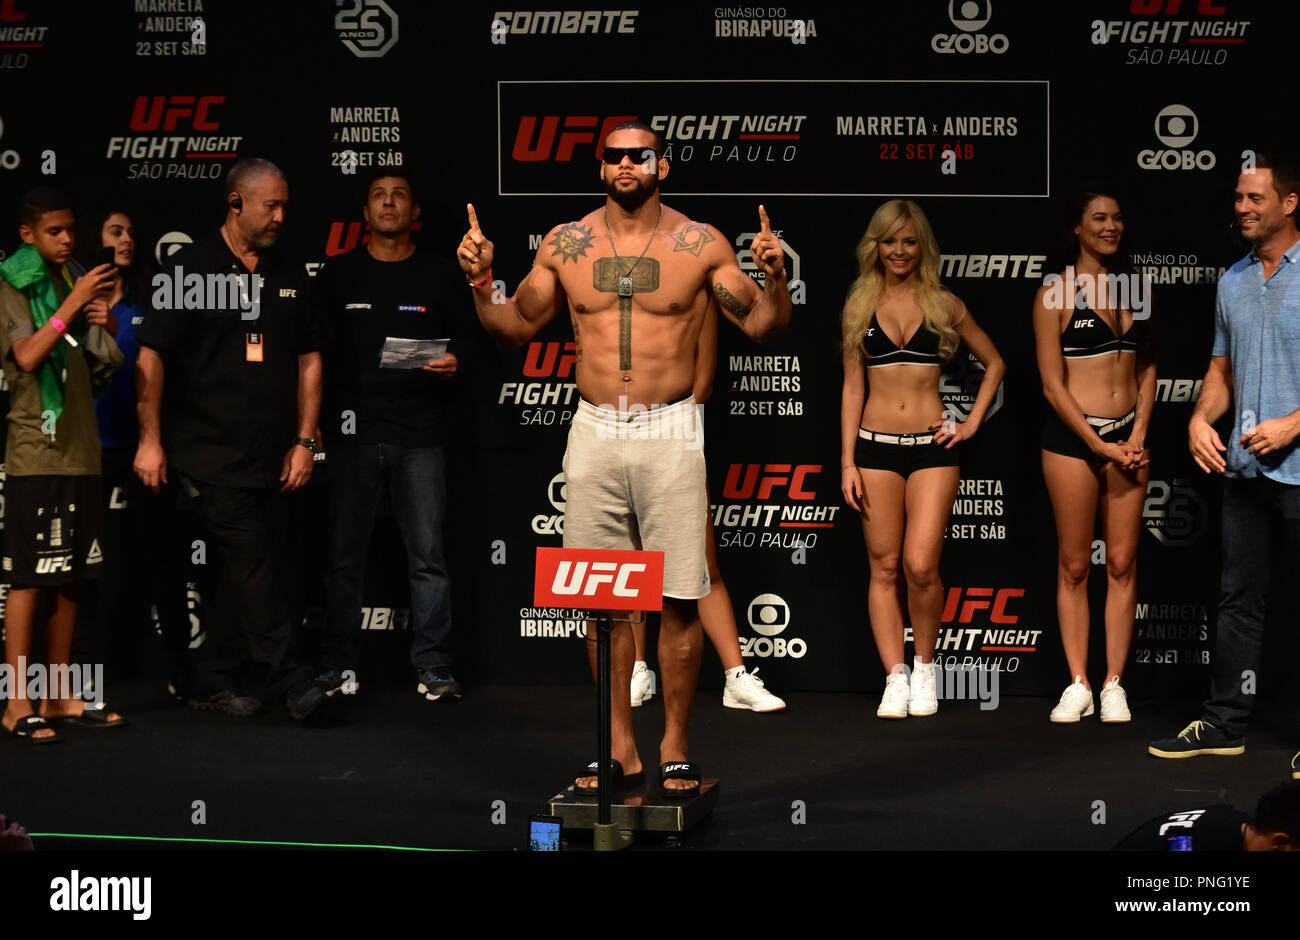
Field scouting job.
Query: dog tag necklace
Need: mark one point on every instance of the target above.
(625, 294)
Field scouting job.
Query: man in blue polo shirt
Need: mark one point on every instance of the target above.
(1254, 369)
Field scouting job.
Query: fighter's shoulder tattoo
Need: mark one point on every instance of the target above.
(733, 304)
(693, 237)
(571, 242)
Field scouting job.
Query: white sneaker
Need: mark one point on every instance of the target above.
(1075, 703)
(643, 684)
(921, 697)
(746, 691)
(893, 704)
(1114, 703)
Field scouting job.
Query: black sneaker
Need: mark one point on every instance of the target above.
(229, 702)
(335, 681)
(181, 683)
(1200, 737)
(303, 698)
(437, 683)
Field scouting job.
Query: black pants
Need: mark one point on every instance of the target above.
(143, 566)
(1259, 518)
(250, 645)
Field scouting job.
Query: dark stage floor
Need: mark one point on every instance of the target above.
(396, 770)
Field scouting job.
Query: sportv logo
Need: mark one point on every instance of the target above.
(969, 16)
(1176, 126)
(768, 616)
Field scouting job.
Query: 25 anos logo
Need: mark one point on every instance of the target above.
(367, 27)
(769, 615)
(1174, 513)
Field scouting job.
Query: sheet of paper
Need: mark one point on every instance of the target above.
(399, 353)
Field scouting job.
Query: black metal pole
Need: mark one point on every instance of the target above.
(604, 627)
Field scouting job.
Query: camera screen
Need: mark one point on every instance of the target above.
(543, 836)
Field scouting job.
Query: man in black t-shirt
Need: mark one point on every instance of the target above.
(230, 327)
(1275, 827)
(386, 424)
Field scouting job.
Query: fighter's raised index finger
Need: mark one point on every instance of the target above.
(473, 217)
(765, 225)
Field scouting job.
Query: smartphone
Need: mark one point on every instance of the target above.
(544, 833)
(105, 255)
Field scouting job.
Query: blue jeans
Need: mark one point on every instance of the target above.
(417, 482)
(1259, 517)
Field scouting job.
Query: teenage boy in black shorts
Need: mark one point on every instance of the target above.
(54, 519)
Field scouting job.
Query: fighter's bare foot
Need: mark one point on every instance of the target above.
(631, 765)
(74, 708)
(675, 755)
(11, 718)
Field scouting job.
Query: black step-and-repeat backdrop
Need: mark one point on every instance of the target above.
(987, 113)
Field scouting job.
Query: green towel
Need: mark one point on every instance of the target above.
(27, 272)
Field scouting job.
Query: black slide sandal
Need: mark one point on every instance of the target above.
(93, 716)
(618, 780)
(679, 770)
(25, 728)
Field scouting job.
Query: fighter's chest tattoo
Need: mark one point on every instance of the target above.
(572, 242)
(693, 237)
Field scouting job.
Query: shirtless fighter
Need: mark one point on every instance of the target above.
(638, 276)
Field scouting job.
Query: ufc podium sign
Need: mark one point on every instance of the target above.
(598, 579)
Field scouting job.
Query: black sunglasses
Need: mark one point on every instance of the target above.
(614, 155)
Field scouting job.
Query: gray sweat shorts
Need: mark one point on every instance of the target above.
(641, 473)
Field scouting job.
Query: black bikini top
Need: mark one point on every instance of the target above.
(1088, 335)
(921, 350)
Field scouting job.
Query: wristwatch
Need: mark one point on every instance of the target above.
(307, 442)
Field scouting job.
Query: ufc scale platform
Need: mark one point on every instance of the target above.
(605, 583)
